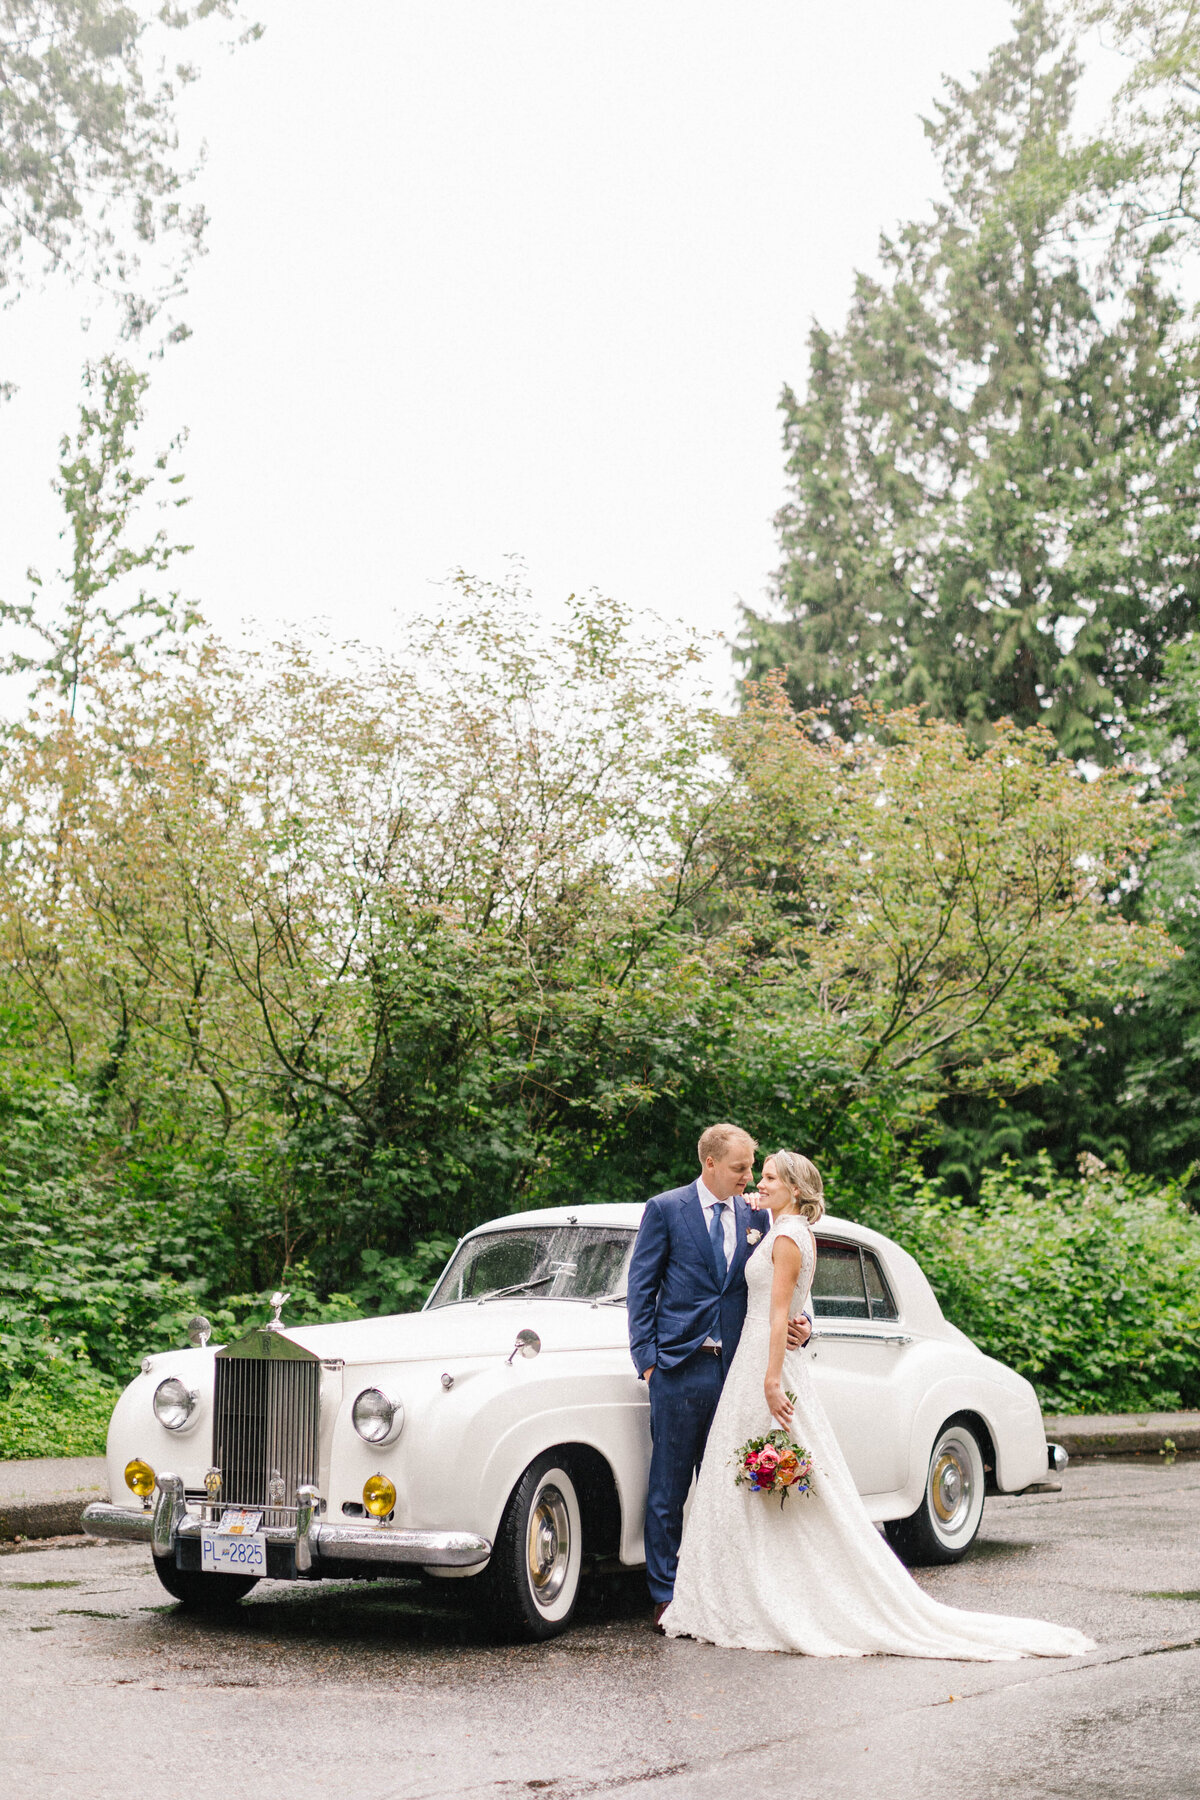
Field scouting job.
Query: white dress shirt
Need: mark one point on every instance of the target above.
(728, 1223)
(728, 1226)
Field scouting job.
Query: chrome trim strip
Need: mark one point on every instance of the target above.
(865, 1337)
(103, 1520)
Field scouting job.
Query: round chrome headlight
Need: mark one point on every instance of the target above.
(378, 1418)
(174, 1403)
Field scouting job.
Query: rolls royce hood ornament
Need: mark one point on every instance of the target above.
(278, 1302)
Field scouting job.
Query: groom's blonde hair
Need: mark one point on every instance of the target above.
(716, 1140)
(804, 1179)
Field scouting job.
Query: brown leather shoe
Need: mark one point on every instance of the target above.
(659, 1610)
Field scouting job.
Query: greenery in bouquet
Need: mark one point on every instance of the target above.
(773, 1464)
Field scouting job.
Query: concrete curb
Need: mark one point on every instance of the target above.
(1123, 1434)
(43, 1518)
(45, 1496)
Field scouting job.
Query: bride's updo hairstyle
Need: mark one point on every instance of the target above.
(804, 1179)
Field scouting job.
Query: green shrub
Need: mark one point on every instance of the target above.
(62, 1411)
(1089, 1287)
(104, 1258)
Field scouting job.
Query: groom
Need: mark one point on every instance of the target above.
(686, 1298)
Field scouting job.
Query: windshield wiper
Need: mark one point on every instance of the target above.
(518, 1287)
(611, 1300)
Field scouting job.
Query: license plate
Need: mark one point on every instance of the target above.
(227, 1553)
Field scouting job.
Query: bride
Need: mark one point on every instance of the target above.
(813, 1576)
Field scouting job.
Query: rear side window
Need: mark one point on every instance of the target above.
(838, 1289)
(850, 1284)
(878, 1292)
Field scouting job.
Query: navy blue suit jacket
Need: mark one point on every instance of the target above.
(673, 1298)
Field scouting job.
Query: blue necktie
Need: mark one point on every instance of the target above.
(716, 1233)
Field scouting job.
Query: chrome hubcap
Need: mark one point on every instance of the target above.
(951, 1485)
(548, 1546)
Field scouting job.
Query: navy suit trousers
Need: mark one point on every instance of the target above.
(682, 1403)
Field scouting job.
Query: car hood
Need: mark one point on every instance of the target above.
(449, 1333)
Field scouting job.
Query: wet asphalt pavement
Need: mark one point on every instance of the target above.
(109, 1689)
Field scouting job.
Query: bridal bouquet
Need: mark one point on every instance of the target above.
(773, 1465)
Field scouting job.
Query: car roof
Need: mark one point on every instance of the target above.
(628, 1214)
(914, 1294)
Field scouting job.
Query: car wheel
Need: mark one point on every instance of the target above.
(533, 1575)
(201, 1592)
(945, 1524)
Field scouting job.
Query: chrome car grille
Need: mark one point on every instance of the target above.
(265, 1426)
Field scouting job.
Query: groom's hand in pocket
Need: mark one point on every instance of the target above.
(647, 1373)
(799, 1332)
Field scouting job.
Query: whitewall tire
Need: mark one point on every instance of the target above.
(533, 1575)
(946, 1523)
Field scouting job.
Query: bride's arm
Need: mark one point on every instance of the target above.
(785, 1254)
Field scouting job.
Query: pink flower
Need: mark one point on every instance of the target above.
(768, 1460)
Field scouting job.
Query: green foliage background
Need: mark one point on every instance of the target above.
(1089, 1286)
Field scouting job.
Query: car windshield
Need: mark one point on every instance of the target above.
(552, 1262)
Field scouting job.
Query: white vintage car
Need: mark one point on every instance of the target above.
(501, 1435)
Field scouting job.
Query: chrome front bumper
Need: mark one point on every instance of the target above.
(169, 1524)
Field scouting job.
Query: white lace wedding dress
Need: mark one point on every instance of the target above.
(813, 1576)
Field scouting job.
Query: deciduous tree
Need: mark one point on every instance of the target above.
(104, 616)
(91, 175)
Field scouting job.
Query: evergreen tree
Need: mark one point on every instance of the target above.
(993, 471)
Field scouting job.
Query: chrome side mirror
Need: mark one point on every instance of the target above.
(199, 1331)
(528, 1344)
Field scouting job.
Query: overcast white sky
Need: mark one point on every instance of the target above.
(507, 276)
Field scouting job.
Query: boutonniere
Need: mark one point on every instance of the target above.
(752, 1237)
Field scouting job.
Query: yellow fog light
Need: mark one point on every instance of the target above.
(379, 1496)
(140, 1477)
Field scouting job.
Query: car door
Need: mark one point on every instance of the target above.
(859, 1348)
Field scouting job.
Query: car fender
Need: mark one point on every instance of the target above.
(463, 1450)
(1007, 1407)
